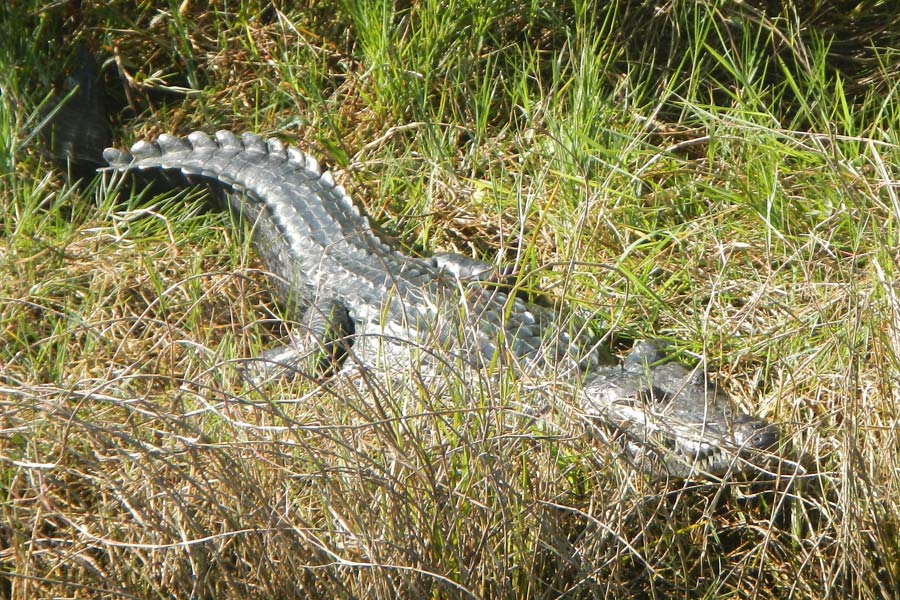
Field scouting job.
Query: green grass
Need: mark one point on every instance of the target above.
(738, 168)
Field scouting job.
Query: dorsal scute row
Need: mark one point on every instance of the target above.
(166, 150)
(236, 161)
(198, 142)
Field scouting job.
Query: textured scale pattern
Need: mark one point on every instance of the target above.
(314, 238)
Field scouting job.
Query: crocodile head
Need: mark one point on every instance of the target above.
(676, 421)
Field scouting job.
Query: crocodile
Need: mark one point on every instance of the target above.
(360, 301)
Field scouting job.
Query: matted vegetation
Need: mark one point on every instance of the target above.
(737, 163)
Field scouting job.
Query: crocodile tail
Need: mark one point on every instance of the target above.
(78, 127)
(257, 176)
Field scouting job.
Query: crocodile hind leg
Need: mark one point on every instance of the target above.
(317, 349)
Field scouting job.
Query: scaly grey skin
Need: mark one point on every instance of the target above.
(353, 290)
(676, 421)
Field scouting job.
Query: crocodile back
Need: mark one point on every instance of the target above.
(317, 244)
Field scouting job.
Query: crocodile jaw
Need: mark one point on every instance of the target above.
(676, 423)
